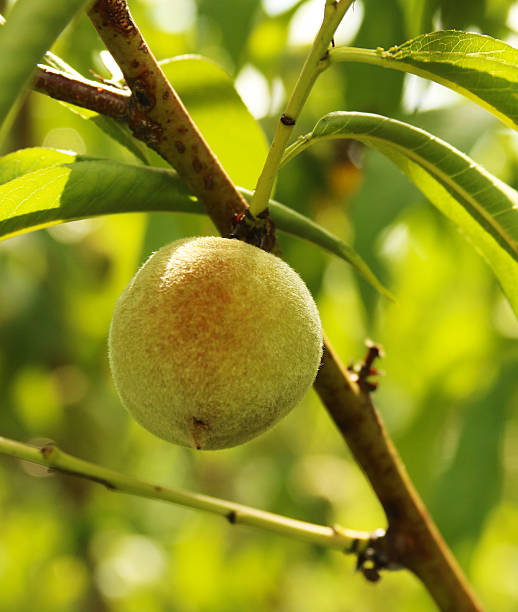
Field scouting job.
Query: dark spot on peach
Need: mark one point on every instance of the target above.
(197, 165)
(180, 147)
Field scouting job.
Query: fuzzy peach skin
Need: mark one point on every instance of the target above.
(213, 341)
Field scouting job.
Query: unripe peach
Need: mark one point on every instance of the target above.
(213, 341)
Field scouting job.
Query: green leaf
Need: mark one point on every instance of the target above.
(54, 61)
(41, 187)
(88, 188)
(483, 207)
(292, 222)
(28, 160)
(31, 28)
(221, 116)
(477, 66)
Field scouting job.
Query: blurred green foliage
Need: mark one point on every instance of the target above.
(449, 396)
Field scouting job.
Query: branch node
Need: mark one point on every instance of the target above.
(325, 57)
(259, 230)
(105, 99)
(362, 372)
(373, 557)
(231, 517)
(48, 450)
(287, 120)
(354, 546)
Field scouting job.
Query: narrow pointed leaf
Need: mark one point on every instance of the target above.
(292, 222)
(482, 206)
(482, 68)
(41, 187)
(82, 189)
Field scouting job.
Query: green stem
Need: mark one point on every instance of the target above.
(388, 59)
(366, 56)
(382, 58)
(347, 540)
(315, 63)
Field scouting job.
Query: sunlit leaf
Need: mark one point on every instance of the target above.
(483, 207)
(477, 66)
(28, 160)
(31, 28)
(82, 189)
(42, 187)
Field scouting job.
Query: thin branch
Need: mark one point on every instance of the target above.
(158, 117)
(346, 540)
(412, 540)
(315, 63)
(95, 96)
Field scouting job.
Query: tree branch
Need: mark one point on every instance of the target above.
(95, 96)
(315, 63)
(158, 118)
(412, 539)
(336, 537)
